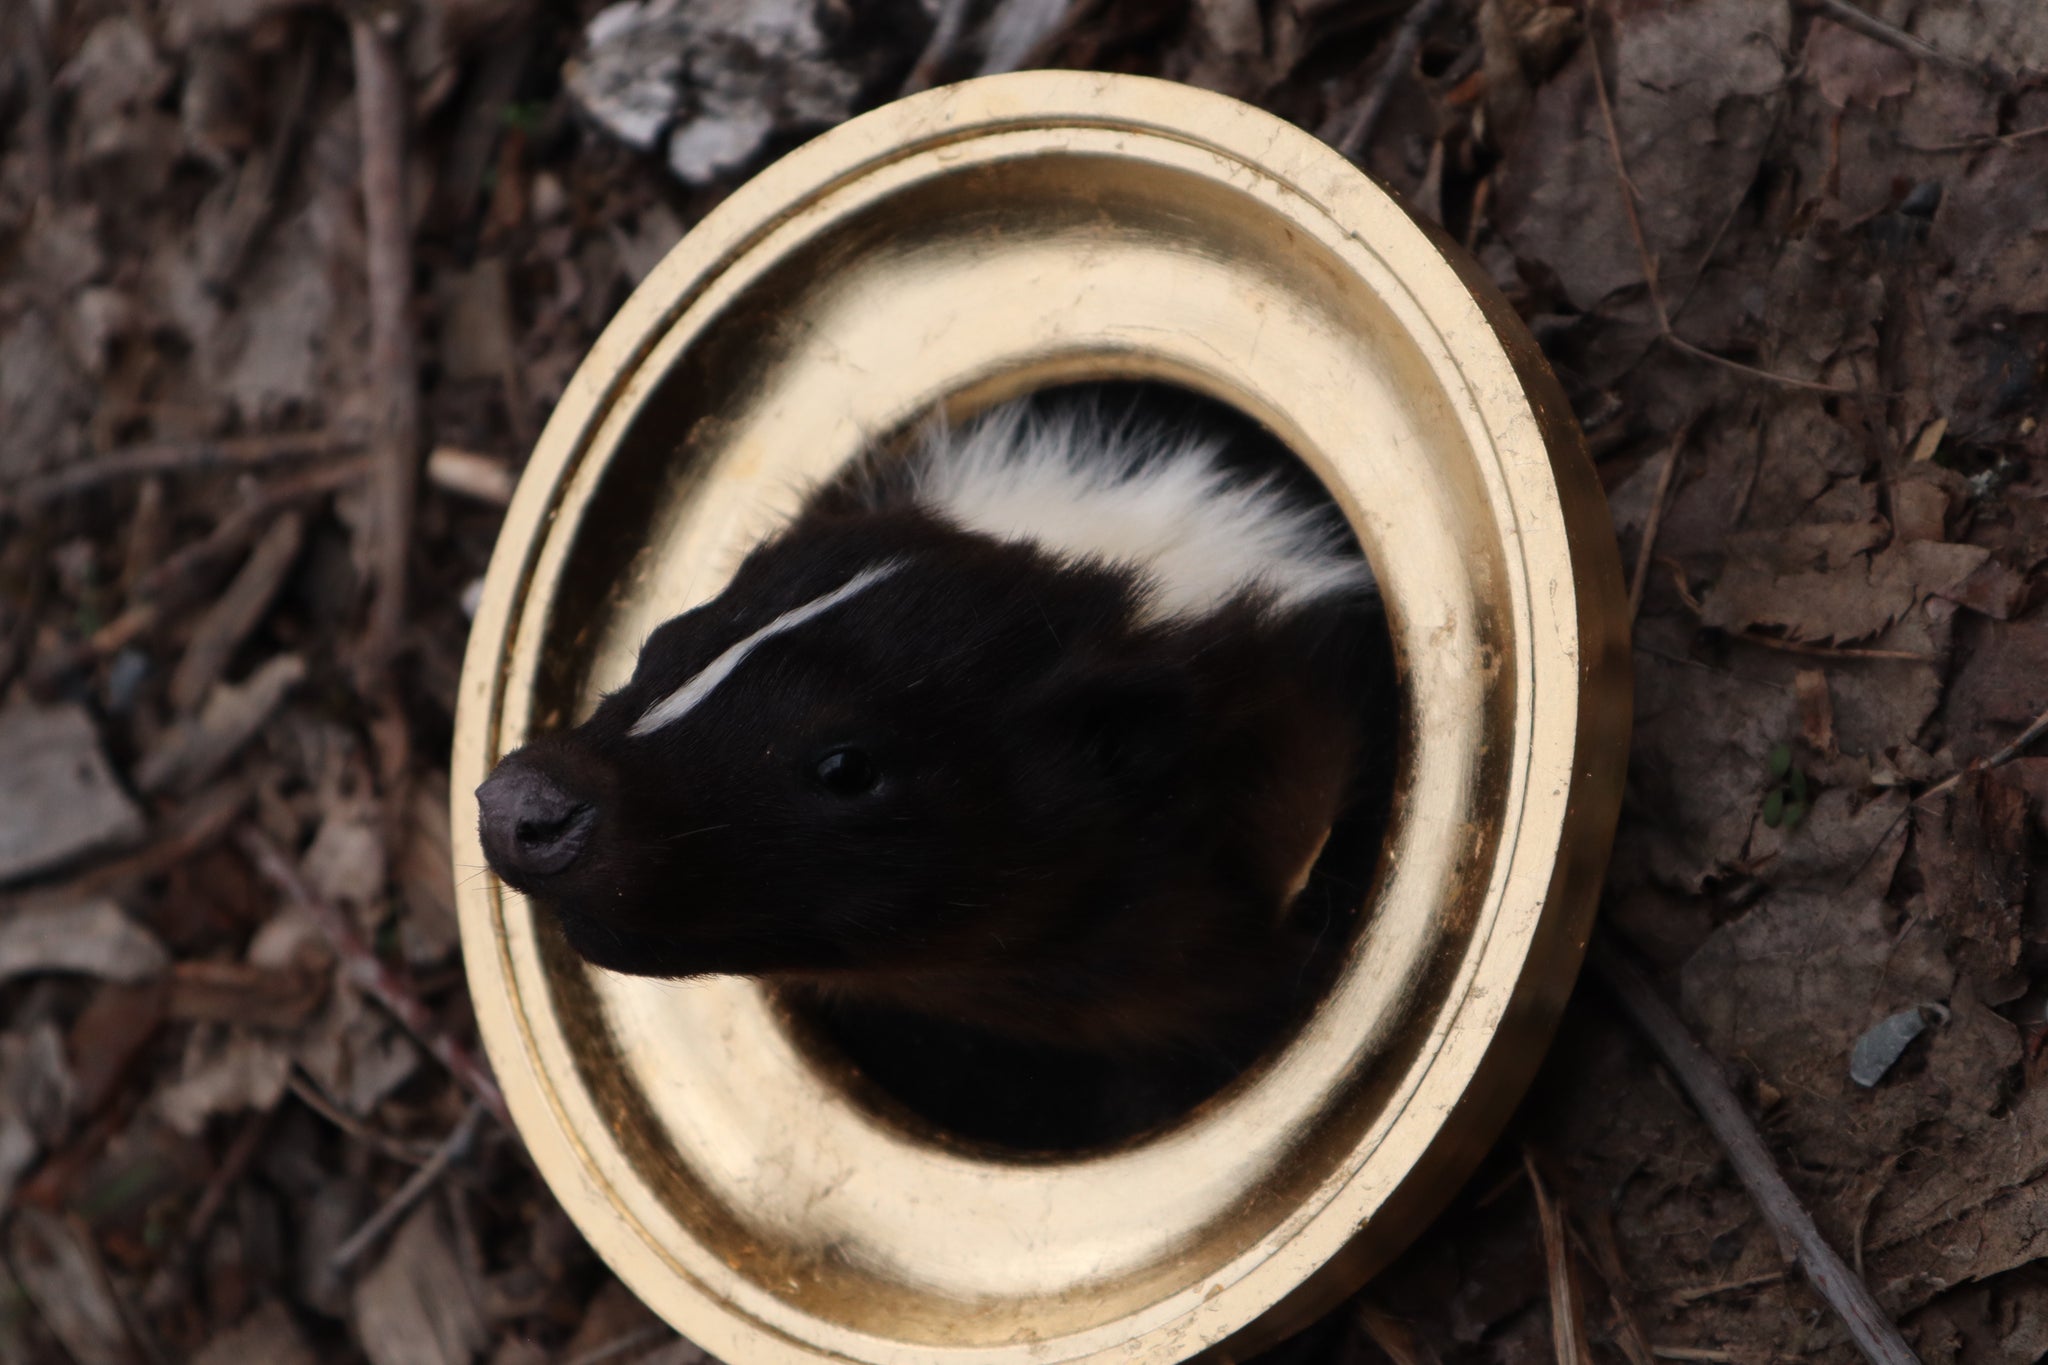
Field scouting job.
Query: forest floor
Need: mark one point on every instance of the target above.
(1790, 260)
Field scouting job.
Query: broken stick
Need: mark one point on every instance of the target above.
(382, 105)
(1800, 1241)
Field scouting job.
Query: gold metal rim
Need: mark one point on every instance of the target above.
(953, 248)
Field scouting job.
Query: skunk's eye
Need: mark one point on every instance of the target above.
(847, 772)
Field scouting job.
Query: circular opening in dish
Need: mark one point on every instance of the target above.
(970, 1087)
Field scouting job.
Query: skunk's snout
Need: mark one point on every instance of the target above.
(531, 827)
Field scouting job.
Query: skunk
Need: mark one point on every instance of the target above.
(1033, 734)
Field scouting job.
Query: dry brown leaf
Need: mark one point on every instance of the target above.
(1696, 770)
(225, 1070)
(428, 931)
(61, 1271)
(1929, 440)
(267, 1336)
(1816, 709)
(346, 862)
(92, 937)
(418, 1306)
(1920, 510)
(194, 750)
(1880, 706)
(59, 798)
(1973, 851)
(1994, 589)
(616, 1314)
(355, 1053)
(108, 1035)
(44, 395)
(1850, 69)
(114, 81)
(37, 1099)
(2002, 684)
(271, 355)
(476, 321)
(1838, 605)
(519, 1351)
(1693, 133)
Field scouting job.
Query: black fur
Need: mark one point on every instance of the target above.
(1083, 836)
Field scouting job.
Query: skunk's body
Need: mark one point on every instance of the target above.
(1038, 732)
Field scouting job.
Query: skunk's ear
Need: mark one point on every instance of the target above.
(1122, 722)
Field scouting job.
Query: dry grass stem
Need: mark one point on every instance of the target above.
(1567, 1305)
(1639, 579)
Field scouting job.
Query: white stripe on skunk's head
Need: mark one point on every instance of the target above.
(1082, 487)
(685, 697)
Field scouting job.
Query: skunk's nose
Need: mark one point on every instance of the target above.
(531, 828)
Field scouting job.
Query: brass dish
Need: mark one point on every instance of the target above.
(954, 249)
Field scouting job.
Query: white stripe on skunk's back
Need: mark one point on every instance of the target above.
(1083, 486)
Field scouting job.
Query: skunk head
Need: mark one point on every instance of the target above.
(1052, 714)
(881, 743)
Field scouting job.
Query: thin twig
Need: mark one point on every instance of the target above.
(1908, 656)
(2004, 756)
(1680, 344)
(1978, 144)
(1628, 186)
(1682, 1297)
(1870, 26)
(381, 106)
(1567, 1308)
(310, 1095)
(1400, 61)
(173, 457)
(233, 1165)
(1654, 523)
(1651, 284)
(1798, 1238)
(416, 1185)
(371, 976)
